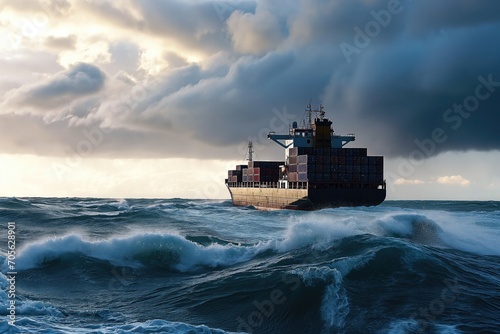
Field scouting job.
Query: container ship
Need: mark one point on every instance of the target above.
(317, 171)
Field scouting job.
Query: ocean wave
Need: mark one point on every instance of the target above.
(316, 232)
(334, 304)
(321, 230)
(416, 227)
(474, 233)
(15, 203)
(103, 204)
(169, 251)
(24, 307)
(413, 326)
(28, 325)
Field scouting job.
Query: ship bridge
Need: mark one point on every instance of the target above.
(317, 132)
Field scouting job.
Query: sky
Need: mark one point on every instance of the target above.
(158, 98)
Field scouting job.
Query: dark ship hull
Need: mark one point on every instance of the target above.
(305, 199)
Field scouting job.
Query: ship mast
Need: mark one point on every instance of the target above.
(250, 151)
(309, 115)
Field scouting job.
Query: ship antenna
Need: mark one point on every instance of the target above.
(321, 112)
(309, 114)
(250, 151)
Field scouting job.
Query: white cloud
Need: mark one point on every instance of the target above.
(453, 180)
(402, 181)
(254, 33)
(61, 88)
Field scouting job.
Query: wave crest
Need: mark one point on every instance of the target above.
(170, 251)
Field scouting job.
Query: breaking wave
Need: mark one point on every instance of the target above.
(173, 251)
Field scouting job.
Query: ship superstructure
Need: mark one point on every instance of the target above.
(317, 171)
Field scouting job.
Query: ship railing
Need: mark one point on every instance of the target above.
(307, 185)
(270, 185)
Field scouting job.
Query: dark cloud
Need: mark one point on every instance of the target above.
(393, 91)
(407, 88)
(428, 16)
(80, 80)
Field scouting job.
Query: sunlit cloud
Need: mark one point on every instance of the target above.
(402, 181)
(453, 180)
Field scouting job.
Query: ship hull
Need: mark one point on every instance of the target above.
(305, 199)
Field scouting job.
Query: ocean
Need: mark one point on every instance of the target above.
(198, 266)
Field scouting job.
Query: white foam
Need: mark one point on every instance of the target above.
(29, 325)
(472, 232)
(346, 264)
(122, 204)
(401, 327)
(31, 308)
(318, 231)
(413, 326)
(25, 307)
(475, 232)
(136, 250)
(3, 289)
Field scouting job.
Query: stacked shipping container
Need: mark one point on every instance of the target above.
(262, 171)
(316, 165)
(334, 165)
(237, 174)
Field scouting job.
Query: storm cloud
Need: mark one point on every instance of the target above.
(402, 75)
(61, 88)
